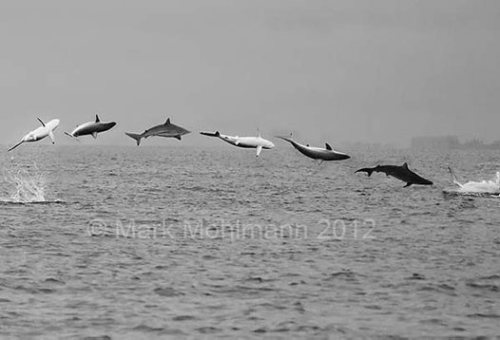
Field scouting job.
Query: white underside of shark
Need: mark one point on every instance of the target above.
(47, 129)
(258, 142)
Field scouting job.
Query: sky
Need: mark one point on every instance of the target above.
(339, 71)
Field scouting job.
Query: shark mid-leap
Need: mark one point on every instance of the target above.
(324, 154)
(91, 128)
(402, 173)
(167, 130)
(47, 129)
(243, 142)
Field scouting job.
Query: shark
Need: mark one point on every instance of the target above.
(167, 130)
(91, 128)
(258, 142)
(47, 129)
(325, 154)
(402, 173)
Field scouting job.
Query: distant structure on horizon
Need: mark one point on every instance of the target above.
(450, 142)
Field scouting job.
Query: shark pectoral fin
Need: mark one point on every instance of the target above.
(52, 137)
(259, 150)
(328, 147)
(178, 137)
(407, 185)
(94, 134)
(237, 143)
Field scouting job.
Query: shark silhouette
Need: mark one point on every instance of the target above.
(167, 130)
(325, 154)
(402, 173)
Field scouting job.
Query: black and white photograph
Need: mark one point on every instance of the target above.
(250, 169)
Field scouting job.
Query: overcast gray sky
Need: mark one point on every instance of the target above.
(380, 71)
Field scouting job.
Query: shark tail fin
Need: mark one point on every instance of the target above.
(369, 171)
(211, 134)
(135, 136)
(15, 146)
(287, 139)
(454, 177)
(70, 135)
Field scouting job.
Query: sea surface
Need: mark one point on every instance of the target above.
(105, 242)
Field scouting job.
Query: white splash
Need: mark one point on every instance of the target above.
(27, 187)
(491, 186)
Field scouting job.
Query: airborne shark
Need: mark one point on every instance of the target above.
(325, 154)
(402, 173)
(167, 130)
(91, 128)
(258, 142)
(40, 133)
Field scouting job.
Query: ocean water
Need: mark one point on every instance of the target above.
(212, 242)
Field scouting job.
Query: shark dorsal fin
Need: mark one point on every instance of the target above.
(97, 120)
(217, 133)
(43, 124)
(328, 147)
(405, 165)
(167, 122)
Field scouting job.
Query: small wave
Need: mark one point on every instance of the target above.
(484, 315)
(146, 328)
(484, 286)
(458, 192)
(11, 202)
(98, 337)
(167, 292)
